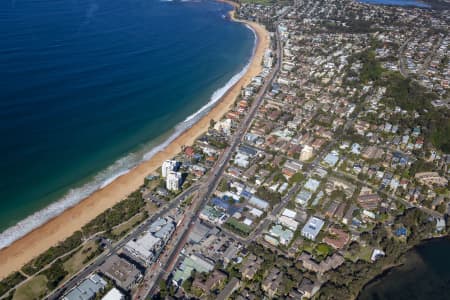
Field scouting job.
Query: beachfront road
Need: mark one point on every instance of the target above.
(204, 190)
(113, 249)
(213, 180)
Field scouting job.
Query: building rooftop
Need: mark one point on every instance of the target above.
(199, 232)
(229, 289)
(312, 184)
(190, 263)
(285, 235)
(313, 227)
(121, 271)
(143, 246)
(331, 159)
(87, 289)
(289, 213)
(113, 294)
(259, 203)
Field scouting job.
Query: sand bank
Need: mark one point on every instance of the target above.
(13, 257)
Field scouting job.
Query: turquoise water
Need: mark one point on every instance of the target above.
(90, 87)
(425, 275)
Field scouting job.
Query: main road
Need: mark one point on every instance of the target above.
(78, 277)
(209, 187)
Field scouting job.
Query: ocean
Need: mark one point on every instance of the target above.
(90, 88)
(424, 275)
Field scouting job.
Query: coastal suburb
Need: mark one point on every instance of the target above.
(316, 176)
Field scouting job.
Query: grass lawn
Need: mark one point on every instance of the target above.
(151, 208)
(240, 227)
(75, 263)
(323, 250)
(33, 289)
(153, 184)
(125, 227)
(308, 247)
(364, 254)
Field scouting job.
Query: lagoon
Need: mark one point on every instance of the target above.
(411, 3)
(424, 275)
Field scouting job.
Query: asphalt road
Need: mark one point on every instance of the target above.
(76, 279)
(205, 191)
(218, 170)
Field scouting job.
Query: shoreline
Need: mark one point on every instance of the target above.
(420, 4)
(21, 251)
(388, 269)
(384, 272)
(120, 167)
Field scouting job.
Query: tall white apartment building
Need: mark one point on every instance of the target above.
(173, 181)
(167, 166)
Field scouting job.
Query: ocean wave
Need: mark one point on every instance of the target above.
(73, 197)
(117, 169)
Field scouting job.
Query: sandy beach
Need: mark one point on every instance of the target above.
(23, 250)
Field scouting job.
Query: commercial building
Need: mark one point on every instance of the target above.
(147, 247)
(87, 289)
(193, 262)
(123, 273)
(114, 294)
(162, 228)
(242, 160)
(144, 247)
(199, 232)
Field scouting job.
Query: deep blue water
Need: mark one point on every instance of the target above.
(413, 3)
(86, 82)
(425, 275)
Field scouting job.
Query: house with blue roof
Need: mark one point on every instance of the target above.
(401, 232)
(227, 204)
(246, 194)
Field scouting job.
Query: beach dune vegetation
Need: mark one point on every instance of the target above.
(10, 282)
(116, 215)
(53, 253)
